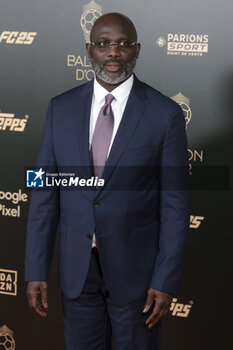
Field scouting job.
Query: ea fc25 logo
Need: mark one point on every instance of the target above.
(8, 282)
(10, 123)
(180, 309)
(17, 38)
(35, 178)
(7, 341)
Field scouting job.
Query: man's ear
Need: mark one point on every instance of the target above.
(138, 48)
(88, 48)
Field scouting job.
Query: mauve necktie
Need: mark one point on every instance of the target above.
(102, 136)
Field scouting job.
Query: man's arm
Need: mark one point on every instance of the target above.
(174, 220)
(42, 227)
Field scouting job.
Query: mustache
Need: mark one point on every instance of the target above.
(115, 60)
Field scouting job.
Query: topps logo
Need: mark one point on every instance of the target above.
(195, 221)
(179, 309)
(8, 122)
(19, 38)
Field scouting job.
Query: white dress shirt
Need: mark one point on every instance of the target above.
(121, 94)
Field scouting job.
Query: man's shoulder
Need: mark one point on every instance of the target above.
(156, 98)
(72, 94)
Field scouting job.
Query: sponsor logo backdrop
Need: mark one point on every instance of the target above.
(187, 51)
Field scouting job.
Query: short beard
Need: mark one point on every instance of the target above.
(128, 70)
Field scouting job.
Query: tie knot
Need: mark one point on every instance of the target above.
(108, 99)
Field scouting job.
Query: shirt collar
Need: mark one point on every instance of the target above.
(120, 93)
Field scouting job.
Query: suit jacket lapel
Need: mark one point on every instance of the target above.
(84, 109)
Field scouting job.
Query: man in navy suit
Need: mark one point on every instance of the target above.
(122, 245)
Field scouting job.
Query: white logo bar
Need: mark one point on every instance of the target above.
(187, 47)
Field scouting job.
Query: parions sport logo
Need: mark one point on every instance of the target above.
(17, 38)
(8, 122)
(184, 44)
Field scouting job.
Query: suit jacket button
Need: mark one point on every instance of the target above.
(97, 204)
(89, 236)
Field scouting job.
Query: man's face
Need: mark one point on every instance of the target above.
(113, 65)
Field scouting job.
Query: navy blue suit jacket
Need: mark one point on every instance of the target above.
(141, 215)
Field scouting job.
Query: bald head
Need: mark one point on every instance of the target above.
(113, 49)
(116, 20)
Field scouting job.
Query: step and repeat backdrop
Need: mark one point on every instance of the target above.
(187, 51)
